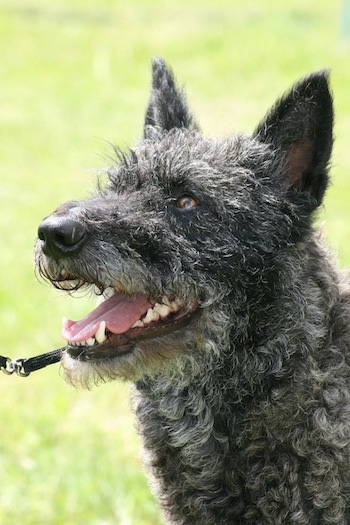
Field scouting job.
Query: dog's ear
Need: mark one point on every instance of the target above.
(300, 130)
(167, 107)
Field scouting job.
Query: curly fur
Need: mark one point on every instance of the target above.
(244, 412)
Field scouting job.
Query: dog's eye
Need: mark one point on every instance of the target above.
(186, 202)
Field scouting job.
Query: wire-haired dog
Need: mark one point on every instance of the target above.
(220, 304)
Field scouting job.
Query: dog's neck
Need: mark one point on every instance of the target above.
(186, 445)
(196, 445)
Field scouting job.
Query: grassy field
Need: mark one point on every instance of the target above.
(74, 76)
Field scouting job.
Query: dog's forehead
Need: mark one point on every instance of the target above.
(188, 152)
(182, 155)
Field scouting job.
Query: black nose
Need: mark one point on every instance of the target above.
(61, 236)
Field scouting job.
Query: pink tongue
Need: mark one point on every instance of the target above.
(119, 312)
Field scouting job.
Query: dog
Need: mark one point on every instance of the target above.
(220, 303)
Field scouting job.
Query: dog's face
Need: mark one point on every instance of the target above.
(184, 231)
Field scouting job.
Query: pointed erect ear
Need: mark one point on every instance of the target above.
(167, 107)
(299, 129)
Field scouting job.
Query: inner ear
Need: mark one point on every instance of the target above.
(298, 163)
(299, 130)
(301, 174)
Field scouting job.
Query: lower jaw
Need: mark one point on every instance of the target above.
(118, 345)
(107, 350)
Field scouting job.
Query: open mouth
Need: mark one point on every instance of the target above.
(121, 321)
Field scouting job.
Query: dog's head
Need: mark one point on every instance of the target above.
(184, 237)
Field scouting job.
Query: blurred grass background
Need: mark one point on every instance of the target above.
(74, 76)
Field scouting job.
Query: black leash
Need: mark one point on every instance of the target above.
(24, 366)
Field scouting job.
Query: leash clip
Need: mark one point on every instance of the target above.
(24, 366)
(14, 365)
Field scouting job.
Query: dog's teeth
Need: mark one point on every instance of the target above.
(100, 299)
(162, 309)
(109, 292)
(138, 324)
(100, 335)
(173, 305)
(152, 315)
(166, 301)
(149, 316)
(89, 342)
(155, 315)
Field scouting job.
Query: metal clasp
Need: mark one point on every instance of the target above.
(15, 365)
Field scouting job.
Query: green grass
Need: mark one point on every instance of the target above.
(74, 76)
